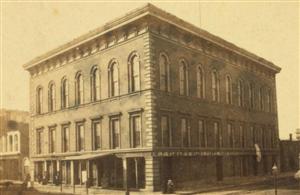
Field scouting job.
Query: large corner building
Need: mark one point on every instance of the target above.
(149, 97)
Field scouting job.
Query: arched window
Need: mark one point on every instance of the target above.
(113, 79)
(64, 93)
(215, 86)
(261, 98)
(240, 93)
(39, 100)
(51, 98)
(79, 89)
(251, 95)
(95, 84)
(228, 90)
(200, 83)
(183, 78)
(164, 72)
(134, 73)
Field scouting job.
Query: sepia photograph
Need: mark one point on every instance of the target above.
(149, 97)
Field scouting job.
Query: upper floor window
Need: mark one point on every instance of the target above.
(261, 99)
(230, 133)
(201, 133)
(64, 93)
(51, 97)
(228, 90)
(252, 140)
(134, 73)
(96, 132)
(52, 139)
(13, 144)
(269, 100)
(183, 78)
(164, 72)
(136, 130)
(79, 89)
(113, 76)
(65, 138)
(165, 130)
(95, 84)
(39, 141)
(215, 86)
(10, 143)
(240, 93)
(200, 82)
(115, 132)
(185, 134)
(251, 95)
(272, 137)
(80, 136)
(242, 136)
(217, 134)
(39, 100)
(264, 137)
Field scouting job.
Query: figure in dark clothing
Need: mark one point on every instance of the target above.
(170, 186)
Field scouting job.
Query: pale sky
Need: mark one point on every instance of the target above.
(268, 29)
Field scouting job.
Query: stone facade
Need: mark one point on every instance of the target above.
(170, 102)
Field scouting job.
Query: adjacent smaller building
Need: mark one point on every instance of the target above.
(289, 154)
(14, 146)
(298, 134)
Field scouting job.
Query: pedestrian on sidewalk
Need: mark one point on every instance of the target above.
(170, 186)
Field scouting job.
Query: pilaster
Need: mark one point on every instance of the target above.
(150, 85)
(152, 173)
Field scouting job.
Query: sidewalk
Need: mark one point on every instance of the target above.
(194, 187)
(227, 183)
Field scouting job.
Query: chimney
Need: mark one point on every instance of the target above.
(291, 137)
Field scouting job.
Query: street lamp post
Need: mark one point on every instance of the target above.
(275, 172)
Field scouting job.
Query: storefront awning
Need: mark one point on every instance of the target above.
(87, 156)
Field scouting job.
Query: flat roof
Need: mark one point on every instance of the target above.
(154, 11)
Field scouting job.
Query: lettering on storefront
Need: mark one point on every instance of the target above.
(197, 153)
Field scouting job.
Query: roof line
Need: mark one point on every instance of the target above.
(162, 15)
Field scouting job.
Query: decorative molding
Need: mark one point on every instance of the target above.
(114, 114)
(80, 120)
(135, 110)
(65, 123)
(96, 117)
(52, 125)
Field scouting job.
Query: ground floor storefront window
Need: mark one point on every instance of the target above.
(104, 172)
(38, 171)
(66, 172)
(136, 172)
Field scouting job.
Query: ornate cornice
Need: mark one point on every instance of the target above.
(89, 48)
(157, 21)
